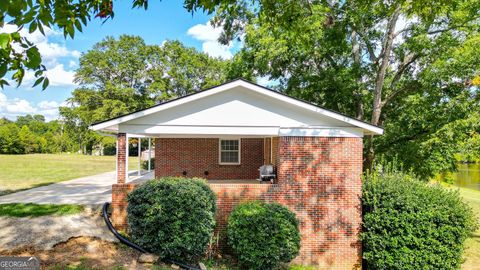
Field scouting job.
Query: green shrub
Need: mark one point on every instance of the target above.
(172, 217)
(145, 164)
(263, 235)
(410, 224)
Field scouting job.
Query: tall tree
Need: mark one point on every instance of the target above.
(121, 76)
(379, 61)
(18, 54)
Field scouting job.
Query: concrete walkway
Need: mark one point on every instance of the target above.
(90, 190)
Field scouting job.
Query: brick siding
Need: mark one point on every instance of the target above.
(119, 204)
(121, 157)
(320, 180)
(195, 156)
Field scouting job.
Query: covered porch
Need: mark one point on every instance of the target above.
(220, 159)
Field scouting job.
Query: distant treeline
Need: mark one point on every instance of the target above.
(32, 134)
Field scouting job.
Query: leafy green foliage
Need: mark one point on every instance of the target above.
(409, 224)
(263, 235)
(145, 164)
(17, 54)
(410, 66)
(67, 15)
(31, 134)
(119, 76)
(172, 217)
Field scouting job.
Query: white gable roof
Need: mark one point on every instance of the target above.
(237, 108)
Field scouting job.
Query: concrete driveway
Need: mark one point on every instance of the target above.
(90, 190)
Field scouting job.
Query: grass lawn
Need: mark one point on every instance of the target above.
(36, 210)
(472, 253)
(19, 172)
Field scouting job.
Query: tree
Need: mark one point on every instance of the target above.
(125, 75)
(18, 54)
(411, 66)
(31, 134)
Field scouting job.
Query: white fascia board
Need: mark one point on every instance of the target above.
(370, 129)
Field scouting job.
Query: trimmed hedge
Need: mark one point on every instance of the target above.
(263, 235)
(409, 224)
(172, 217)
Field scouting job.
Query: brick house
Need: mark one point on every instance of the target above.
(225, 133)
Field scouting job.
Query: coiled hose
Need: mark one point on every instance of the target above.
(133, 245)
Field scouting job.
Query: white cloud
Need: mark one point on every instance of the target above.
(209, 36)
(12, 108)
(72, 64)
(19, 106)
(52, 53)
(215, 49)
(204, 32)
(58, 76)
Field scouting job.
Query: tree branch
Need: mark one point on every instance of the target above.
(407, 61)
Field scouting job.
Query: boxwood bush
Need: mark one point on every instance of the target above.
(172, 217)
(410, 224)
(263, 235)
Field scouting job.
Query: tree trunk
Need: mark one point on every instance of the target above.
(356, 60)
(380, 78)
(379, 81)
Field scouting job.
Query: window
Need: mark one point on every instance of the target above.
(230, 152)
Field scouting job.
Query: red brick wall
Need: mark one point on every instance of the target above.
(195, 156)
(121, 157)
(119, 204)
(321, 183)
(320, 180)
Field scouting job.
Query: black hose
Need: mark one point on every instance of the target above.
(133, 245)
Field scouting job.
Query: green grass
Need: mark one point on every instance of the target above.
(18, 172)
(36, 210)
(472, 244)
(472, 252)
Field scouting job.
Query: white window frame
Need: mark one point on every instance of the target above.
(220, 151)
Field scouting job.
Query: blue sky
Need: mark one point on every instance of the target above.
(163, 20)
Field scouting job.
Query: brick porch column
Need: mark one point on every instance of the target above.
(121, 157)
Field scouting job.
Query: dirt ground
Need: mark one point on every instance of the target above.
(84, 253)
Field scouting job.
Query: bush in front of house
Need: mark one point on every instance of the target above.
(263, 235)
(172, 217)
(145, 164)
(410, 224)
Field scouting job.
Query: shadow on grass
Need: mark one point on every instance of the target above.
(36, 210)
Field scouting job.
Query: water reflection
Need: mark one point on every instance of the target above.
(468, 175)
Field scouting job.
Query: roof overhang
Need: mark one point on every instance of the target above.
(351, 126)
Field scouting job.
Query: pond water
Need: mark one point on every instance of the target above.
(468, 175)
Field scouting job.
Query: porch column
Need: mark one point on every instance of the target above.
(139, 156)
(121, 157)
(149, 154)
